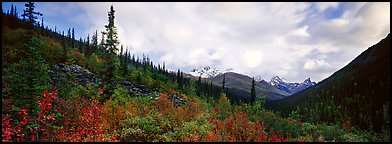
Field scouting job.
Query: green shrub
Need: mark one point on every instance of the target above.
(142, 129)
(13, 43)
(120, 96)
(75, 57)
(196, 128)
(52, 51)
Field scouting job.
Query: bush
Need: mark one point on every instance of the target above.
(120, 97)
(51, 50)
(83, 121)
(330, 133)
(13, 44)
(27, 78)
(93, 62)
(75, 57)
(223, 106)
(191, 131)
(142, 129)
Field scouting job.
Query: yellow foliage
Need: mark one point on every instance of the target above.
(223, 103)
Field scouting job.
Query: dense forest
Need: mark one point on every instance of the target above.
(57, 88)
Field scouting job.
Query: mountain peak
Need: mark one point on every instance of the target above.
(275, 80)
(208, 71)
(291, 88)
(309, 82)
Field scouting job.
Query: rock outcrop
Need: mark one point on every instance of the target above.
(76, 73)
(133, 87)
(82, 76)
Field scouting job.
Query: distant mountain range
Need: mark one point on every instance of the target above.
(241, 84)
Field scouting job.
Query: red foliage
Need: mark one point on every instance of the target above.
(260, 135)
(46, 104)
(74, 52)
(13, 133)
(78, 56)
(238, 128)
(45, 116)
(100, 91)
(115, 115)
(301, 140)
(165, 106)
(82, 122)
(17, 132)
(277, 137)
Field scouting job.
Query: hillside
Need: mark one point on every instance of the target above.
(359, 92)
(243, 84)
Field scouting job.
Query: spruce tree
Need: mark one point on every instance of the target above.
(111, 33)
(88, 46)
(253, 92)
(198, 90)
(73, 38)
(94, 42)
(121, 52)
(30, 14)
(223, 82)
(179, 79)
(69, 33)
(12, 9)
(29, 77)
(102, 43)
(111, 46)
(15, 13)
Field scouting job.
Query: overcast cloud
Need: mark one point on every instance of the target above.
(292, 40)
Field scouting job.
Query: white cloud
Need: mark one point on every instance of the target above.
(301, 31)
(266, 39)
(252, 59)
(316, 65)
(322, 6)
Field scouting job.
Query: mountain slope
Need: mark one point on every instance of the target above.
(243, 84)
(359, 91)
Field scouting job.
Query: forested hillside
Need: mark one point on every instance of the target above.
(358, 93)
(56, 88)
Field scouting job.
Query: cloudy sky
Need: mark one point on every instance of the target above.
(292, 40)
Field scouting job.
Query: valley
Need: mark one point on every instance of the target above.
(57, 88)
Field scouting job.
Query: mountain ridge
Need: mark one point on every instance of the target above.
(288, 87)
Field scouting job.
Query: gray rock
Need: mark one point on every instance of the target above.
(82, 75)
(133, 88)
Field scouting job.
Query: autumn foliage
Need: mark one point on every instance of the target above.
(238, 128)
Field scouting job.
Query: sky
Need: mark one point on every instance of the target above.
(294, 41)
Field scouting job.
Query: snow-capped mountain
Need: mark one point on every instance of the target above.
(208, 72)
(291, 88)
(258, 78)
